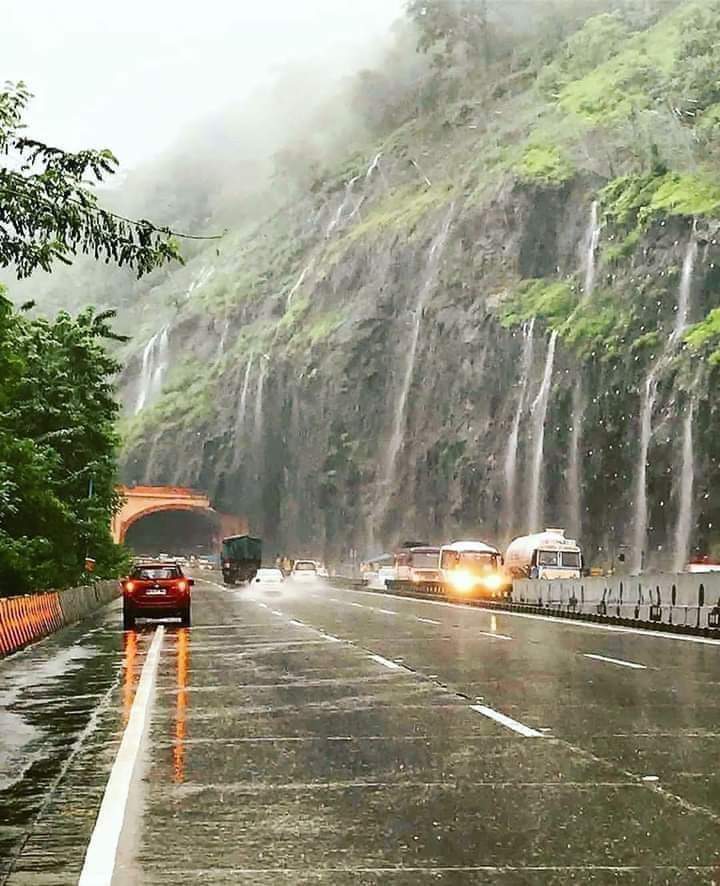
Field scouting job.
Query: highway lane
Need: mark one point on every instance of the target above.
(310, 735)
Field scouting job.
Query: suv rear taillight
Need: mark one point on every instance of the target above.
(129, 587)
(182, 586)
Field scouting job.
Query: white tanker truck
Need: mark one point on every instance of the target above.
(547, 555)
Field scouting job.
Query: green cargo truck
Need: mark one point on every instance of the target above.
(241, 558)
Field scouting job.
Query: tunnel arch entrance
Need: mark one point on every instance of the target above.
(151, 503)
(172, 531)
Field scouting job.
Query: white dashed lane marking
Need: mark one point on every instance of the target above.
(393, 665)
(617, 661)
(506, 721)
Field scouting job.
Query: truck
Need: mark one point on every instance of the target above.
(548, 555)
(241, 558)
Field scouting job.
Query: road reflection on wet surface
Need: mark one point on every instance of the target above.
(314, 735)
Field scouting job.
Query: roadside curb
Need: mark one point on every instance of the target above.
(25, 620)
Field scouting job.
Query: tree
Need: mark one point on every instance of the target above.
(58, 447)
(58, 442)
(49, 212)
(452, 26)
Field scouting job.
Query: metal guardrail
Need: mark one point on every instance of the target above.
(685, 604)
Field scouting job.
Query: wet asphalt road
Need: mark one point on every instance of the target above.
(308, 735)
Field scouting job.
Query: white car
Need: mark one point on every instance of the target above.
(384, 574)
(269, 577)
(304, 570)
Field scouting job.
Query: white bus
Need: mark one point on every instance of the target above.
(474, 568)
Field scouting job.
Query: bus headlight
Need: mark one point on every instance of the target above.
(493, 582)
(463, 582)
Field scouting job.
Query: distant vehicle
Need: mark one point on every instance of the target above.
(156, 590)
(304, 570)
(241, 558)
(474, 568)
(403, 556)
(548, 555)
(424, 565)
(205, 563)
(703, 563)
(269, 576)
(386, 574)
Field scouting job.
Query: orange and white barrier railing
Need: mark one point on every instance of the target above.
(24, 620)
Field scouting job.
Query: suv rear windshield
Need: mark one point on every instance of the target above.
(305, 567)
(156, 573)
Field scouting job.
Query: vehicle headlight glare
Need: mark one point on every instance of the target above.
(462, 582)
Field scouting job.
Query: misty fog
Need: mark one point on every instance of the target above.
(134, 77)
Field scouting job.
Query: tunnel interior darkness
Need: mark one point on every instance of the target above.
(176, 533)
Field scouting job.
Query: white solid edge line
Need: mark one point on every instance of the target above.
(386, 611)
(504, 720)
(393, 665)
(428, 621)
(593, 626)
(616, 661)
(99, 865)
(493, 635)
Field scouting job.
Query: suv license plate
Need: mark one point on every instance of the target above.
(156, 592)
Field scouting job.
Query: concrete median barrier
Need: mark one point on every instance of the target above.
(690, 601)
(684, 603)
(24, 620)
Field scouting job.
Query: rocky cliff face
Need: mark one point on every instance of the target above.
(377, 391)
(502, 335)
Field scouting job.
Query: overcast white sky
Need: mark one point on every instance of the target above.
(131, 75)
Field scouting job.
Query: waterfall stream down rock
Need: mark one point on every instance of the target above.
(649, 398)
(539, 416)
(511, 452)
(400, 414)
(154, 365)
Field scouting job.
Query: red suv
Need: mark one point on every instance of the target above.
(156, 590)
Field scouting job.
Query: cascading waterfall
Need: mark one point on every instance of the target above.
(242, 412)
(539, 416)
(223, 338)
(511, 453)
(686, 279)
(575, 492)
(398, 432)
(203, 277)
(155, 360)
(342, 209)
(687, 481)
(650, 396)
(641, 509)
(374, 165)
(259, 393)
(592, 241)
(301, 279)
